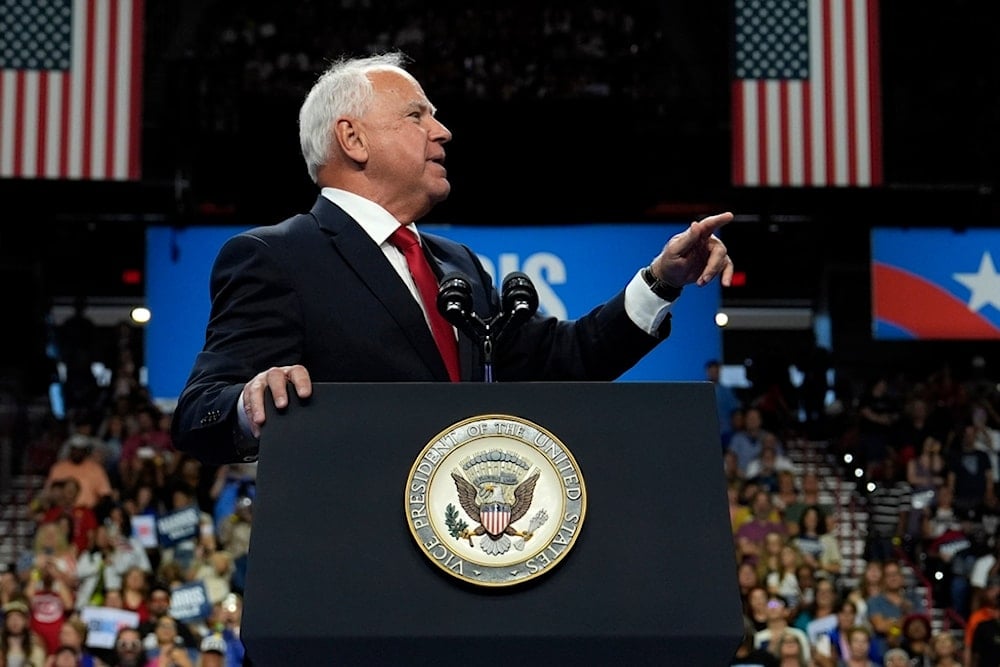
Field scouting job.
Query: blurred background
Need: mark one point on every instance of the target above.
(859, 154)
(562, 113)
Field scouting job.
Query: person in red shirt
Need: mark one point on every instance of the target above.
(83, 519)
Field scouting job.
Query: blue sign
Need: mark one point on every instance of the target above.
(573, 267)
(935, 284)
(184, 524)
(189, 602)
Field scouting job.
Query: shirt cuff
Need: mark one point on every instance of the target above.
(646, 310)
(242, 420)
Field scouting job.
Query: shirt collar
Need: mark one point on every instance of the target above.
(377, 222)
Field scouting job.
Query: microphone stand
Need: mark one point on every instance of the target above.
(486, 344)
(455, 304)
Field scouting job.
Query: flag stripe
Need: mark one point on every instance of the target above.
(70, 103)
(796, 139)
(806, 73)
(850, 97)
(64, 125)
(874, 95)
(134, 93)
(42, 114)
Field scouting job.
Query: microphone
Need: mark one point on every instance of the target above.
(518, 298)
(454, 301)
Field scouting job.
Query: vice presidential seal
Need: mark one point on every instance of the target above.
(495, 500)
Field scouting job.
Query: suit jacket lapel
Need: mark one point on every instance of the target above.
(370, 265)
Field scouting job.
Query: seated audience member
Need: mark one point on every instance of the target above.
(916, 640)
(767, 468)
(755, 607)
(945, 649)
(748, 443)
(859, 641)
(808, 536)
(777, 625)
(888, 608)
(824, 605)
(749, 656)
(809, 496)
(790, 651)
(750, 536)
(871, 583)
(829, 643)
(63, 505)
(784, 580)
(128, 649)
(73, 635)
(213, 652)
(19, 644)
(168, 649)
(159, 606)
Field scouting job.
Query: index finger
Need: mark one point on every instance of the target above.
(712, 223)
(697, 231)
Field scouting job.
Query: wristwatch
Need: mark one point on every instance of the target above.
(662, 289)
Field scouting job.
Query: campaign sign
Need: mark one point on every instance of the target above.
(935, 284)
(178, 526)
(144, 530)
(103, 624)
(573, 267)
(190, 602)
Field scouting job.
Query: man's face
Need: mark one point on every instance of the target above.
(159, 603)
(893, 576)
(405, 146)
(762, 505)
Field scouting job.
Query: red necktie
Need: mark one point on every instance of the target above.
(427, 285)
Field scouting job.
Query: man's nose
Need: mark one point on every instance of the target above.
(440, 131)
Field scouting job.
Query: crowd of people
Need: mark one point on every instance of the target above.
(927, 451)
(102, 583)
(920, 459)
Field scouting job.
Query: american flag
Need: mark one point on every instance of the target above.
(70, 89)
(805, 93)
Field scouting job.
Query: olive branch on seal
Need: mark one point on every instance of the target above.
(456, 526)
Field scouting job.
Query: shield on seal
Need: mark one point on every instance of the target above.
(495, 517)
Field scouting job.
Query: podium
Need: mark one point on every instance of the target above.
(336, 575)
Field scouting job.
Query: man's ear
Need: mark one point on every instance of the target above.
(349, 136)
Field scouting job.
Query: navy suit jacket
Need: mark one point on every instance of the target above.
(315, 290)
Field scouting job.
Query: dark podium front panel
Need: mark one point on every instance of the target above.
(335, 576)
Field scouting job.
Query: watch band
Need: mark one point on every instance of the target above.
(662, 289)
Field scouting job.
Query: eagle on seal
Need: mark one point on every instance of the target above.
(489, 508)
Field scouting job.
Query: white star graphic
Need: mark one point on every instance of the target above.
(985, 284)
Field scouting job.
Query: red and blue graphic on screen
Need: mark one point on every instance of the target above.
(935, 284)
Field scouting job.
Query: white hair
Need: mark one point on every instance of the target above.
(344, 89)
